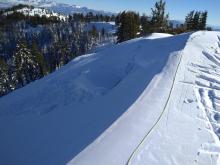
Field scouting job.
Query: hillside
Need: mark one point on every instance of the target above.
(33, 11)
(53, 6)
(151, 100)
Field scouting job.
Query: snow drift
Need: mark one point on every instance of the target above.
(99, 107)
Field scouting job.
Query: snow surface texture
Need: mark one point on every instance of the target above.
(183, 131)
(99, 108)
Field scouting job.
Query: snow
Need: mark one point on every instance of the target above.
(39, 11)
(152, 100)
(158, 35)
(184, 134)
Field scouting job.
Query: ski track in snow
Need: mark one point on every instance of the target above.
(206, 88)
(184, 133)
(208, 96)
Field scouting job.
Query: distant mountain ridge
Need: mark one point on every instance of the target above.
(58, 7)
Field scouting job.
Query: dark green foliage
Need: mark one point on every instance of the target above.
(196, 20)
(145, 24)
(4, 78)
(129, 26)
(159, 21)
(203, 20)
(189, 20)
(26, 68)
(94, 32)
(90, 17)
(39, 59)
(129, 22)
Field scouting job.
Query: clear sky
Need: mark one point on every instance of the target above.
(176, 8)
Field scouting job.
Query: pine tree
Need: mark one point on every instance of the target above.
(159, 19)
(65, 56)
(26, 69)
(4, 78)
(94, 32)
(129, 26)
(189, 21)
(145, 24)
(203, 20)
(196, 20)
(39, 59)
(54, 56)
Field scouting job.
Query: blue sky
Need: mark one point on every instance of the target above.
(176, 8)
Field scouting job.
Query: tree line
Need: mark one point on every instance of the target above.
(196, 20)
(30, 50)
(131, 24)
(32, 46)
(90, 17)
(35, 20)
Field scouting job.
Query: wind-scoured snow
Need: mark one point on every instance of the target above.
(145, 101)
(184, 130)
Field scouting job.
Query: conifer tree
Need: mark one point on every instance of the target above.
(39, 59)
(196, 20)
(159, 21)
(94, 32)
(26, 69)
(4, 78)
(189, 21)
(203, 20)
(65, 54)
(129, 26)
(145, 24)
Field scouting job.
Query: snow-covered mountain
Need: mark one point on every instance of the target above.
(54, 6)
(152, 100)
(32, 11)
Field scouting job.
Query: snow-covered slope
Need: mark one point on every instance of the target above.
(158, 35)
(29, 11)
(145, 101)
(174, 120)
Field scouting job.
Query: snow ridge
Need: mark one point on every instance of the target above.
(140, 145)
(184, 133)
